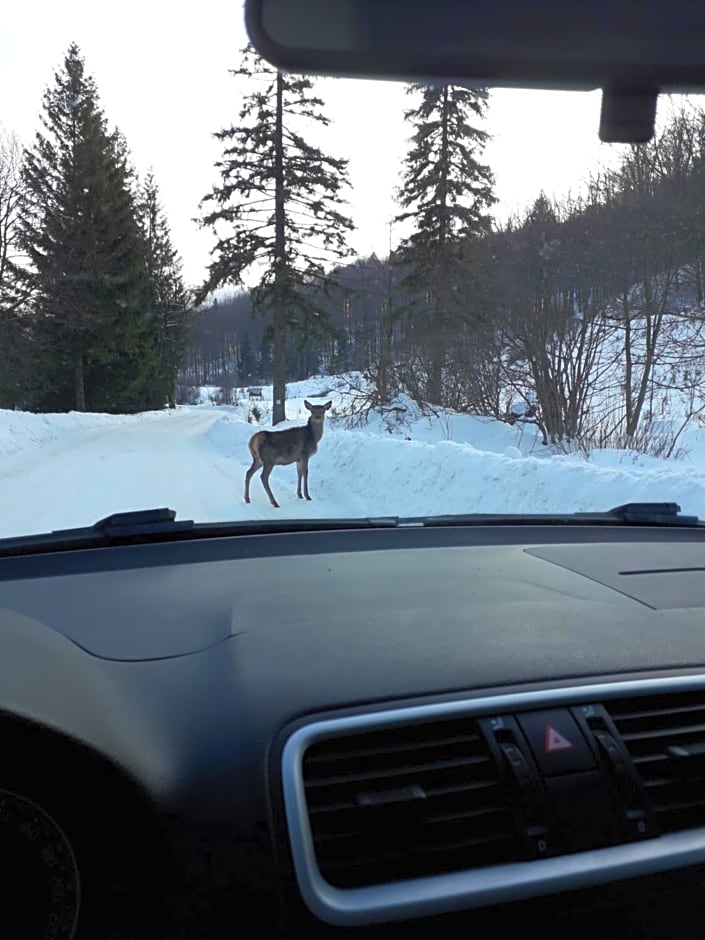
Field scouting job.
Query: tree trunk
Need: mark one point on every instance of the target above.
(279, 317)
(437, 359)
(79, 384)
(385, 357)
(628, 367)
(653, 322)
(440, 300)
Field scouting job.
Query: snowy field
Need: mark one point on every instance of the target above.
(67, 470)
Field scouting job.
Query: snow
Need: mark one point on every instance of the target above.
(68, 470)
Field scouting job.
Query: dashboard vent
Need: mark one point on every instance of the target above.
(406, 801)
(665, 736)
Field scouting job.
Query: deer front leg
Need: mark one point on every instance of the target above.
(265, 483)
(304, 462)
(299, 474)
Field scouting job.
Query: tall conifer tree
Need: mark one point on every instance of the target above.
(278, 211)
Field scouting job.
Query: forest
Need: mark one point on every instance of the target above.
(583, 314)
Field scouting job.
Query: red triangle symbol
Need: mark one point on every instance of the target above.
(555, 741)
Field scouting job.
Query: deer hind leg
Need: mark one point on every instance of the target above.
(265, 483)
(256, 464)
(299, 475)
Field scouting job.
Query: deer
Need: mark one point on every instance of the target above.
(292, 445)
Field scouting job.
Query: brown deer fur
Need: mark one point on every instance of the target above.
(292, 445)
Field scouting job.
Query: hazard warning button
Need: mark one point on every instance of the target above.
(556, 741)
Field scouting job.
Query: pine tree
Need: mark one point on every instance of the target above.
(85, 247)
(446, 192)
(167, 298)
(278, 210)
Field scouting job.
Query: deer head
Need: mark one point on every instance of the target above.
(318, 412)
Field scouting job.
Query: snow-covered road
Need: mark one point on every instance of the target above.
(192, 460)
(128, 464)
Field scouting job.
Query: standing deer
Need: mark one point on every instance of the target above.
(276, 448)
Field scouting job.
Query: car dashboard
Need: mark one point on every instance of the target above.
(384, 732)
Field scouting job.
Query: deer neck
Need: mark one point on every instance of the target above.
(315, 430)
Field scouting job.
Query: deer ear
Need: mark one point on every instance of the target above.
(327, 405)
(308, 405)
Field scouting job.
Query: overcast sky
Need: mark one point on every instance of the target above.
(162, 74)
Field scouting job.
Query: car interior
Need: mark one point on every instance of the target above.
(382, 727)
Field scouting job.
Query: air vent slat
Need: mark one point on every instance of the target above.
(653, 734)
(654, 782)
(432, 791)
(342, 753)
(648, 727)
(404, 770)
(416, 860)
(656, 714)
(402, 802)
(680, 805)
(432, 825)
(458, 815)
(338, 855)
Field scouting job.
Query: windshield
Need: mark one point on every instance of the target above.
(248, 295)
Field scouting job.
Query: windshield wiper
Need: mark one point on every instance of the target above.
(649, 514)
(161, 525)
(646, 514)
(147, 524)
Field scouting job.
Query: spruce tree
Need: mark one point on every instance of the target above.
(446, 192)
(278, 211)
(167, 298)
(85, 248)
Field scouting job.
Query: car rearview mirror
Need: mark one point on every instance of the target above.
(631, 49)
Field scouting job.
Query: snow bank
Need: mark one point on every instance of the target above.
(368, 472)
(20, 430)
